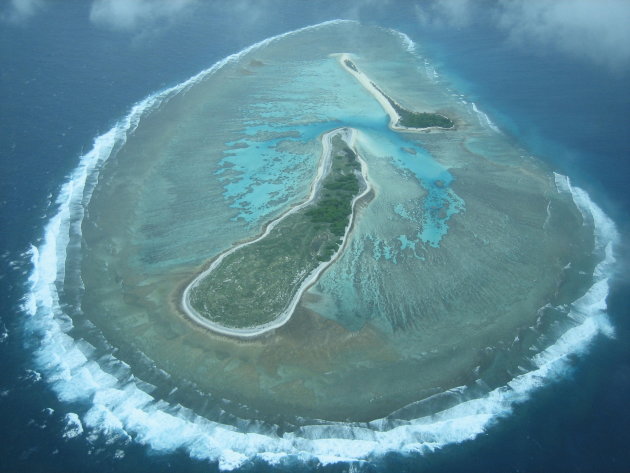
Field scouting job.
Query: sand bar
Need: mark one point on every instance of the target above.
(364, 80)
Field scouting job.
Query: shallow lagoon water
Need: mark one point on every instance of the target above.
(366, 341)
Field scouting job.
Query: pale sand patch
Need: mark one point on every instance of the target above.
(365, 81)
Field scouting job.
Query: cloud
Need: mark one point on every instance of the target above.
(133, 15)
(359, 9)
(597, 31)
(445, 13)
(18, 11)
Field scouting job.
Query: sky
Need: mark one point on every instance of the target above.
(593, 31)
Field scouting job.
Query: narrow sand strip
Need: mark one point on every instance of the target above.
(365, 81)
(349, 136)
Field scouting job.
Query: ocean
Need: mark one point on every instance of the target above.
(64, 82)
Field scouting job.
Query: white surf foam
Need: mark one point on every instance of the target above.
(433, 75)
(562, 182)
(483, 118)
(4, 333)
(407, 42)
(118, 408)
(73, 427)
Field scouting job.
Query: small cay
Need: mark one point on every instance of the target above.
(401, 118)
(254, 287)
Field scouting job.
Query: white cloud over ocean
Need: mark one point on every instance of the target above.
(131, 15)
(598, 31)
(17, 11)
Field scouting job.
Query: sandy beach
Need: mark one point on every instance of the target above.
(365, 81)
(349, 136)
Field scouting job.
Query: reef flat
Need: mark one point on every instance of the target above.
(465, 243)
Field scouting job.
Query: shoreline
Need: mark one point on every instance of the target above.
(368, 85)
(349, 136)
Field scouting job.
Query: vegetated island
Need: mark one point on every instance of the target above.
(254, 287)
(401, 119)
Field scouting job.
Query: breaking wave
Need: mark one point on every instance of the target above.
(117, 406)
(484, 119)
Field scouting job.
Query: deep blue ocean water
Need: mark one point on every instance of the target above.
(64, 81)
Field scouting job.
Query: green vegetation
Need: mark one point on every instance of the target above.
(351, 65)
(334, 206)
(256, 283)
(408, 118)
(411, 119)
(422, 120)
